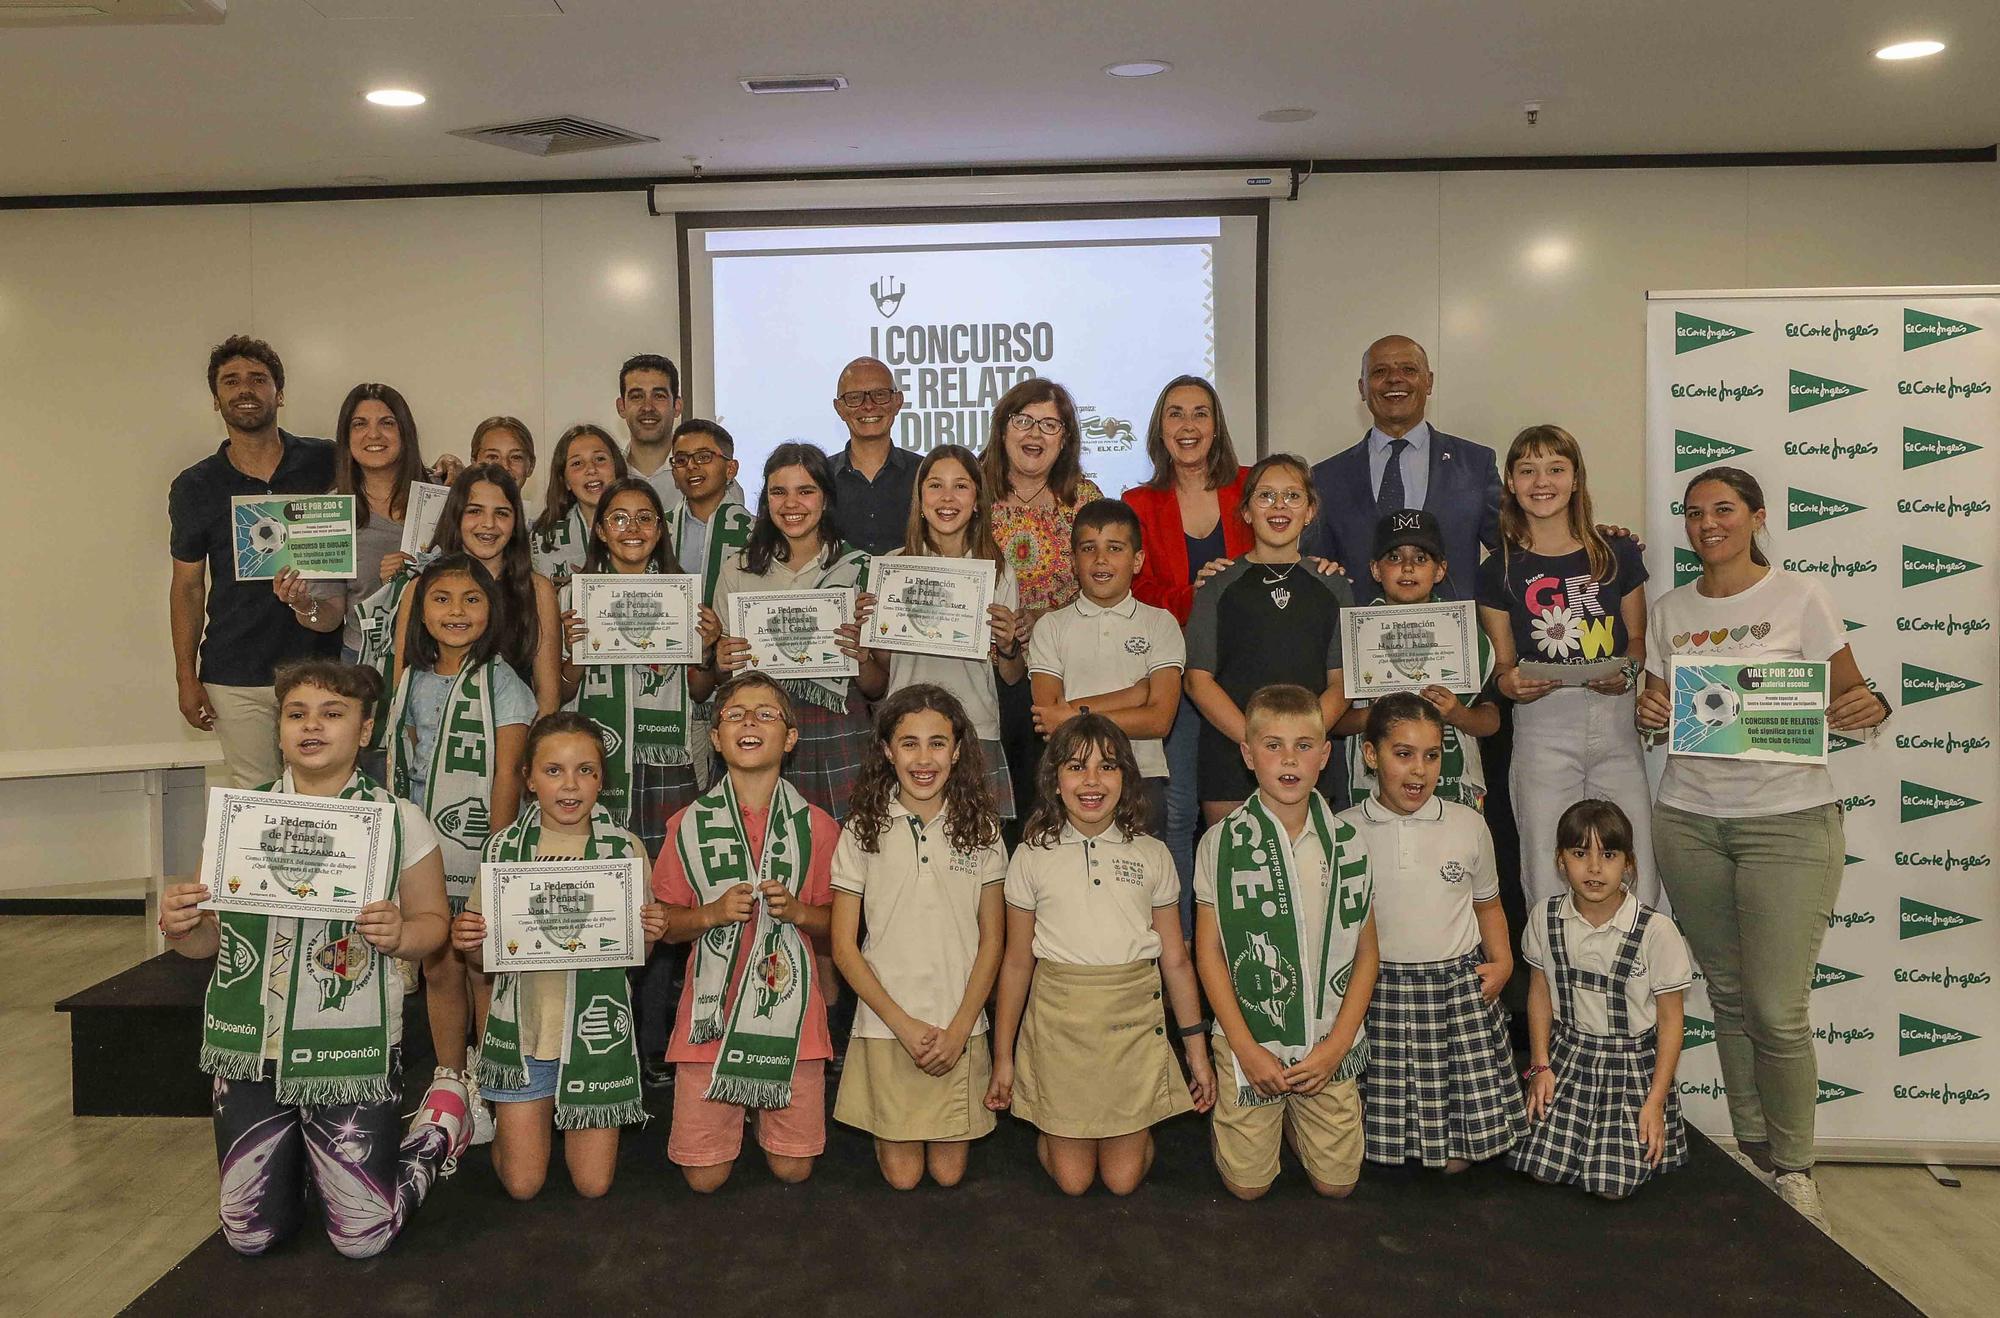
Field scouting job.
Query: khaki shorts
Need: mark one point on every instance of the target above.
(1325, 1130)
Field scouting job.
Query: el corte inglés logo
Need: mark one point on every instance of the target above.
(1915, 919)
(1804, 508)
(1692, 450)
(1808, 390)
(1921, 329)
(1829, 1092)
(1923, 447)
(1825, 976)
(1921, 802)
(1920, 684)
(1921, 565)
(1695, 1031)
(1692, 333)
(1914, 1034)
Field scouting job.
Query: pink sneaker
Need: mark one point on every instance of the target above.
(445, 1106)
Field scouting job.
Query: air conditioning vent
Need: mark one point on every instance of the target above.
(786, 86)
(109, 13)
(560, 136)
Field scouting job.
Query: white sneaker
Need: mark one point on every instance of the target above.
(1748, 1164)
(1801, 1191)
(482, 1122)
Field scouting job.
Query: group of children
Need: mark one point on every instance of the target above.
(1351, 960)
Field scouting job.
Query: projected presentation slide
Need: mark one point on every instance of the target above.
(961, 312)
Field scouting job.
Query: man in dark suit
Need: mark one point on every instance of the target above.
(1403, 463)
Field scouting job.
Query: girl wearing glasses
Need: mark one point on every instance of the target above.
(1033, 469)
(1266, 618)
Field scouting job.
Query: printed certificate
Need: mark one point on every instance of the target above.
(274, 853)
(638, 619)
(1405, 647)
(313, 534)
(563, 914)
(420, 515)
(791, 632)
(1773, 711)
(931, 605)
(1582, 674)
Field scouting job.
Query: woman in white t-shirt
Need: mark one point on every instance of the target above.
(1725, 827)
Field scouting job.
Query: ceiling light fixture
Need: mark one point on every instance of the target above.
(1297, 114)
(1910, 50)
(1138, 68)
(395, 97)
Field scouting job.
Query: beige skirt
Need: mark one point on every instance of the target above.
(883, 1093)
(1092, 1060)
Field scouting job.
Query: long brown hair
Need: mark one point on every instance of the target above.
(516, 582)
(1068, 469)
(970, 820)
(1080, 736)
(347, 477)
(1552, 441)
(1222, 464)
(979, 541)
(559, 501)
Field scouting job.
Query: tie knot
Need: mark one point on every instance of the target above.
(1396, 447)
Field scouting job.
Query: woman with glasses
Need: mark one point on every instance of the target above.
(1188, 519)
(1033, 469)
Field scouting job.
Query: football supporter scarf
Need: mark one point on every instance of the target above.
(1289, 979)
(760, 1032)
(728, 532)
(559, 551)
(376, 617)
(333, 1043)
(459, 789)
(597, 1084)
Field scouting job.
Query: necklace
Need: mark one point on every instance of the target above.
(1029, 501)
(1270, 579)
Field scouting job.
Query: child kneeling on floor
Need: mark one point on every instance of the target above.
(303, 1022)
(746, 874)
(1285, 943)
(555, 1035)
(1606, 978)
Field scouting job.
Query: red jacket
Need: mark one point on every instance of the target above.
(1163, 581)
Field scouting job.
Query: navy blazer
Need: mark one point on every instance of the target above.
(1463, 494)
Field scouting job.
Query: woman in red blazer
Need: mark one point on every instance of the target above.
(1187, 516)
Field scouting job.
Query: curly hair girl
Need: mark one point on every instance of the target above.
(970, 821)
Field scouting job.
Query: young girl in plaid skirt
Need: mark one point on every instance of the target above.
(1440, 1081)
(1605, 982)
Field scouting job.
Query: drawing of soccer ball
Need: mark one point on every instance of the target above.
(267, 535)
(1715, 706)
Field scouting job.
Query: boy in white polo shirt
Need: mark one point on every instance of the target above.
(1440, 1083)
(1285, 943)
(1106, 653)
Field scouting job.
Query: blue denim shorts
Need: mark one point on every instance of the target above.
(541, 1084)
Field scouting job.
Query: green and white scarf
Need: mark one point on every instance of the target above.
(559, 551)
(597, 1084)
(458, 792)
(760, 1037)
(375, 618)
(1289, 980)
(642, 710)
(849, 568)
(728, 531)
(333, 1044)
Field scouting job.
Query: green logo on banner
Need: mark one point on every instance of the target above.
(1829, 1092)
(1825, 976)
(1692, 450)
(1921, 684)
(1921, 329)
(1921, 447)
(1809, 390)
(1852, 625)
(1854, 860)
(1921, 802)
(1695, 1031)
(1922, 565)
(1917, 1035)
(1803, 508)
(1837, 742)
(1692, 333)
(1915, 919)
(1687, 566)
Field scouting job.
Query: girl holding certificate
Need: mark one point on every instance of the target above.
(534, 1063)
(952, 518)
(793, 547)
(303, 1020)
(585, 464)
(456, 732)
(1752, 852)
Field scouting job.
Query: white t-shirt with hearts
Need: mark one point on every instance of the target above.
(1784, 616)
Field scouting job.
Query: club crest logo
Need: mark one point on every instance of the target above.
(338, 966)
(560, 911)
(774, 973)
(1453, 871)
(1266, 981)
(465, 822)
(236, 958)
(604, 1024)
(888, 294)
(1104, 434)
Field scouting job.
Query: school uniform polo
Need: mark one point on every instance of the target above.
(1663, 966)
(1429, 868)
(920, 906)
(1094, 898)
(1095, 649)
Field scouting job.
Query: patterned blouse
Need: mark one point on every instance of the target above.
(1035, 542)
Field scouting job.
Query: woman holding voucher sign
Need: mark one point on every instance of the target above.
(1752, 851)
(303, 1021)
(584, 466)
(1560, 594)
(1033, 467)
(951, 518)
(1188, 519)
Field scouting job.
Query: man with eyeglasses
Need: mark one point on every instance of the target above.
(873, 479)
(649, 403)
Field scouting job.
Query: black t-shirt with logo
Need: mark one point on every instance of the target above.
(1560, 613)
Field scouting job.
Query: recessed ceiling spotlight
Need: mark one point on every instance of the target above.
(1910, 50)
(1138, 68)
(1294, 115)
(395, 97)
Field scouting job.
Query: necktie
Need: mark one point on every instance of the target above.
(1389, 499)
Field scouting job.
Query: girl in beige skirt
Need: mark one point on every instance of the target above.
(1093, 931)
(921, 859)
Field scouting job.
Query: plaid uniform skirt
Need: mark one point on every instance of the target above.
(659, 791)
(827, 760)
(1440, 1080)
(1590, 1137)
(999, 781)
